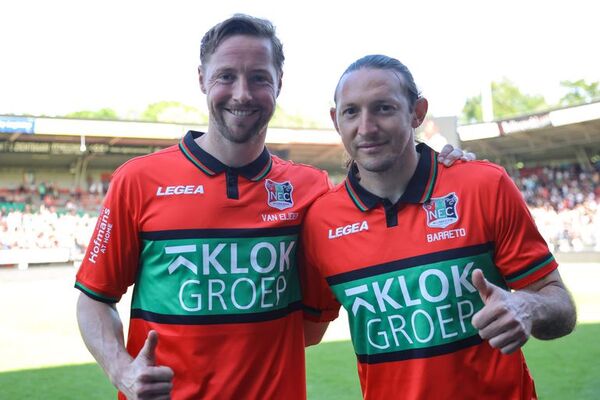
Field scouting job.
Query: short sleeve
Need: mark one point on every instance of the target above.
(521, 252)
(111, 260)
(320, 304)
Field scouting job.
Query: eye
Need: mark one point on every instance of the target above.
(261, 79)
(226, 77)
(349, 111)
(384, 108)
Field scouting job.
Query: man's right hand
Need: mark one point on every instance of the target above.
(142, 379)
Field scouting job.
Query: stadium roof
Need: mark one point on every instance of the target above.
(41, 142)
(563, 135)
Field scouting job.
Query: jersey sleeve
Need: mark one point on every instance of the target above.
(319, 302)
(521, 252)
(111, 259)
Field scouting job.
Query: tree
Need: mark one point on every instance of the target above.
(579, 92)
(104, 113)
(281, 119)
(471, 112)
(173, 111)
(508, 101)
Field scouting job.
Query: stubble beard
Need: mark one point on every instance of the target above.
(243, 135)
(377, 166)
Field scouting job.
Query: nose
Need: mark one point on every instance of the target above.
(241, 91)
(366, 124)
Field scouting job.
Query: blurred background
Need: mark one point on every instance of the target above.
(85, 86)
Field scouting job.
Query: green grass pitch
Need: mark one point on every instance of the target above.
(563, 369)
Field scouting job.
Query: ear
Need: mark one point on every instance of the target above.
(420, 112)
(201, 78)
(333, 115)
(279, 84)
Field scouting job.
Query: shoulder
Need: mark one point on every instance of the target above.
(297, 167)
(143, 165)
(300, 171)
(473, 172)
(332, 200)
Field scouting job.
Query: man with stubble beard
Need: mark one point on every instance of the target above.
(207, 231)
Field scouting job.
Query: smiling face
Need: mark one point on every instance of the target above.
(241, 85)
(375, 120)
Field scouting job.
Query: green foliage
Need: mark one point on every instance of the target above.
(508, 101)
(104, 113)
(562, 369)
(579, 92)
(281, 119)
(173, 111)
(471, 112)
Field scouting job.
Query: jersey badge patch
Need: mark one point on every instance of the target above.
(441, 211)
(279, 194)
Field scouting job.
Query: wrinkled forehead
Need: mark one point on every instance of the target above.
(255, 52)
(364, 81)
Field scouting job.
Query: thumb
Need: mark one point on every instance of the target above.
(484, 288)
(147, 353)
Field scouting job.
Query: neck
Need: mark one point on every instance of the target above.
(391, 183)
(231, 153)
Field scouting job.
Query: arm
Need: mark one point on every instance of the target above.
(543, 309)
(102, 332)
(313, 332)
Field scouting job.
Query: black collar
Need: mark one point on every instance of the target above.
(419, 187)
(208, 164)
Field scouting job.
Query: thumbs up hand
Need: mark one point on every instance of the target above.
(142, 379)
(505, 319)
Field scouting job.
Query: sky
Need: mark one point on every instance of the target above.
(63, 56)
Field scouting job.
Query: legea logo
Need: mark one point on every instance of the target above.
(179, 190)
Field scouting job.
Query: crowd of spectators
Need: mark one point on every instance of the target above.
(47, 217)
(564, 201)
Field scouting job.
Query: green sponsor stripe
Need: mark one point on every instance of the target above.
(217, 276)
(95, 294)
(415, 308)
(531, 270)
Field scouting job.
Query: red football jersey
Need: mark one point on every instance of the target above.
(212, 253)
(403, 273)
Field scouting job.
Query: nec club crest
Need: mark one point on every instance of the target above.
(279, 194)
(441, 211)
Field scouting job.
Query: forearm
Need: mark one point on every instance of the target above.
(553, 312)
(102, 332)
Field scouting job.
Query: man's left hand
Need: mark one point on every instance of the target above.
(449, 155)
(505, 319)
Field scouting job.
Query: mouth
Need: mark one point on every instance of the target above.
(239, 112)
(367, 146)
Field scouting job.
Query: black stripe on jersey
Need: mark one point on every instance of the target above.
(410, 262)
(311, 310)
(523, 271)
(95, 296)
(215, 319)
(412, 354)
(219, 233)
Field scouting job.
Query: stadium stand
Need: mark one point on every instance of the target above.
(54, 172)
(565, 202)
